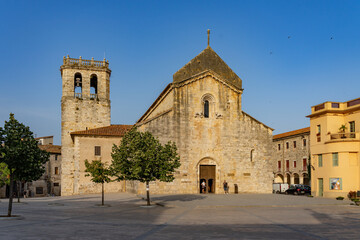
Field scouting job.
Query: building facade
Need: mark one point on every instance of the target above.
(335, 146)
(96, 144)
(291, 157)
(201, 111)
(85, 104)
(49, 183)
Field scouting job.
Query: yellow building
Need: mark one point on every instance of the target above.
(335, 145)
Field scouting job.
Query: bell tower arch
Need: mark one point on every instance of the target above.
(85, 104)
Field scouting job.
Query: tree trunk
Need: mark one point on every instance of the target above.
(102, 194)
(10, 194)
(18, 190)
(147, 193)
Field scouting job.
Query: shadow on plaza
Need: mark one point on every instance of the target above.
(178, 197)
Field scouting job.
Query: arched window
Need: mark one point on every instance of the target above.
(208, 105)
(93, 86)
(206, 108)
(252, 155)
(78, 85)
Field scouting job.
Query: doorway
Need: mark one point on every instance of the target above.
(321, 187)
(207, 175)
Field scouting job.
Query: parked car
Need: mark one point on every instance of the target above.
(298, 189)
(307, 190)
(280, 187)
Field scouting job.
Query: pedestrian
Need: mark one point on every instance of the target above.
(226, 187)
(203, 186)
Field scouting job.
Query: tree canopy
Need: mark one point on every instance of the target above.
(100, 173)
(24, 159)
(4, 174)
(140, 156)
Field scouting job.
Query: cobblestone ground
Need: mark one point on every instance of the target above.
(242, 216)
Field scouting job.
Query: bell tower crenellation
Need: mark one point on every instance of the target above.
(85, 104)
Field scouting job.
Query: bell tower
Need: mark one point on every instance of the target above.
(85, 104)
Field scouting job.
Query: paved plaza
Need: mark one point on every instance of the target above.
(241, 216)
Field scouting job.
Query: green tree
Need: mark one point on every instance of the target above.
(140, 156)
(99, 173)
(4, 174)
(25, 160)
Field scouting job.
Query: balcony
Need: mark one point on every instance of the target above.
(343, 137)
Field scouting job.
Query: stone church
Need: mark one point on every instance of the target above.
(200, 110)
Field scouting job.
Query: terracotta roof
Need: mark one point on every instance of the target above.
(112, 130)
(292, 133)
(51, 148)
(44, 137)
(208, 60)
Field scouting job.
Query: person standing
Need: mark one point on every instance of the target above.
(203, 187)
(226, 187)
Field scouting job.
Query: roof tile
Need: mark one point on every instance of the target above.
(112, 130)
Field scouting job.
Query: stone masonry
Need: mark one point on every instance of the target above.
(80, 111)
(238, 145)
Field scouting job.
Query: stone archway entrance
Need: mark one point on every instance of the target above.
(207, 175)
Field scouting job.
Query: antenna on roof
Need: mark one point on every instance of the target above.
(208, 32)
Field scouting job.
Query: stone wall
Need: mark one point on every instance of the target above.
(225, 139)
(80, 113)
(84, 150)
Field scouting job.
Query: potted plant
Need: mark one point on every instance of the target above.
(342, 130)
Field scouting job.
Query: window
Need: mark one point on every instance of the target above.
(304, 164)
(279, 147)
(78, 85)
(56, 170)
(304, 142)
(287, 145)
(294, 144)
(93, 86)
(335, 159)
(279, 165)
(352, 129)
(206, 109)
(320, 160)
(39, 190)
(318, 133)
(208, 105)
(252, 155)
(97, 151)
(56, 157)
(287, 165)
(294, 164)
(56, 184)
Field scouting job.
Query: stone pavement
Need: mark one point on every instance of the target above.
(242, 216)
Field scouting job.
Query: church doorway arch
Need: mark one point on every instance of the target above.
(207, 169)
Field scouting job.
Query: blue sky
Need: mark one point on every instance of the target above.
(290, 54)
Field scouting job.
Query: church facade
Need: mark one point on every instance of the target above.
(201, 111)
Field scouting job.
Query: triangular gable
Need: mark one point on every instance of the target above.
(207, 60)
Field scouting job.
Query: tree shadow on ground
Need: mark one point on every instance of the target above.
(178, 197)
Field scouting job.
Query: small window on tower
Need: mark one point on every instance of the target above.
(78, 85)
(93, 86)
(97, 151)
